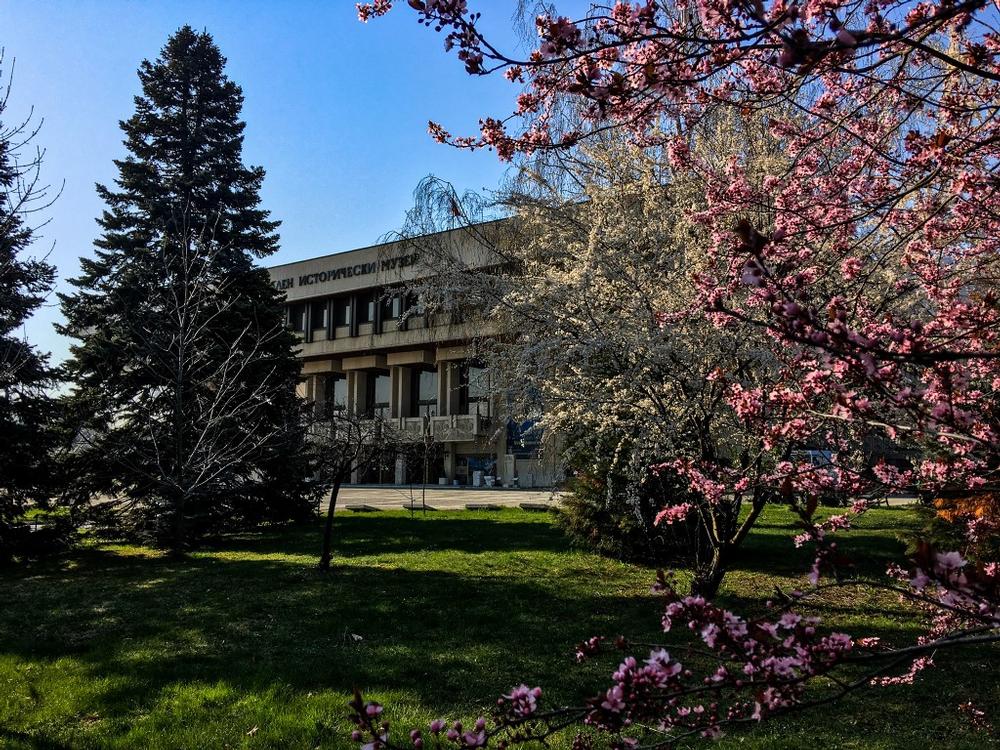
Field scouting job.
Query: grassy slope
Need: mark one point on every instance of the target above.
(246, 646)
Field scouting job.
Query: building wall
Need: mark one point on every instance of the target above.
(356, 323)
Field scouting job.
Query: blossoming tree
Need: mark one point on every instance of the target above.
(869, 261)
(599, 260)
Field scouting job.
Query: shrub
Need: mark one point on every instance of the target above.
(607, 512)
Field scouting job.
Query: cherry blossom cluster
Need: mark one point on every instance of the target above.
(957, 588)
(631, 62)
(378, 8)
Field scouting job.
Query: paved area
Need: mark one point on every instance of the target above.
(456, 498)
(442, 498)
(895, 501)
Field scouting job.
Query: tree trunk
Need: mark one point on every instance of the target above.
(327, 555)
(178, 540)
(708, 577)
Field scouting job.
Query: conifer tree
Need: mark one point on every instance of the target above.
(25, 407)
(185, 375)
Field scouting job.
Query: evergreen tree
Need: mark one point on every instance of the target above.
(25, 407)
(185, 374)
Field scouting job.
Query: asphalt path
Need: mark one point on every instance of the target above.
(388, 497)
(440, 498)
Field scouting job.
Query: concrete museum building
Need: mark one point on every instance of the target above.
(368, 348)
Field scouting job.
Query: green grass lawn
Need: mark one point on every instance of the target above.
(245, 645)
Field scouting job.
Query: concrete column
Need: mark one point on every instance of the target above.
(308, 388)
(308, 332)
(449, 461)
(442, 389)
(350, 376)
(399, 392)
(507, 468)
(499, 450)
(456, 388)
(331, 324)
(449, 381)
(354, 315)
(377, 324)
(357, 391)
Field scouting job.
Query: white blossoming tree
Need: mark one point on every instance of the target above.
(592, 290)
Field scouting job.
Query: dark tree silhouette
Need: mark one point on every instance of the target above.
(185, 376)
(25, 376)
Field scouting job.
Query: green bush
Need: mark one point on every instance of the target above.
(607, 512)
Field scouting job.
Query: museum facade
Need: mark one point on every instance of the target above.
(368, 347)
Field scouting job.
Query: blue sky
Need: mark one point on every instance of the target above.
(336, 111)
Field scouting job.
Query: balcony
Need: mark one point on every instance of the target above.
(454, 428)
(411, 427)
(459, 427)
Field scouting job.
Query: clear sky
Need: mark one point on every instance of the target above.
(336, 111)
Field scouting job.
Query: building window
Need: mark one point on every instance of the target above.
(410, 305)
(297, 317)
(474, 393)
(366, 307)
(379, 388)
(424, 396)
(319, 319)
(342, 311)
(335, 392)
(392, 306)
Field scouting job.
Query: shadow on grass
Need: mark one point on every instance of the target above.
(14, 740)
(143, 634)
(377, 534)
(776, 554)
(455, 638)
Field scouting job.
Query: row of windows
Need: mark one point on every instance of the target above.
(378, 388)
(474, 392)
(377, 393)
(392, 304)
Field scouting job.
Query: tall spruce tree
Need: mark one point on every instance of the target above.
(184, 372)
(25, 376)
